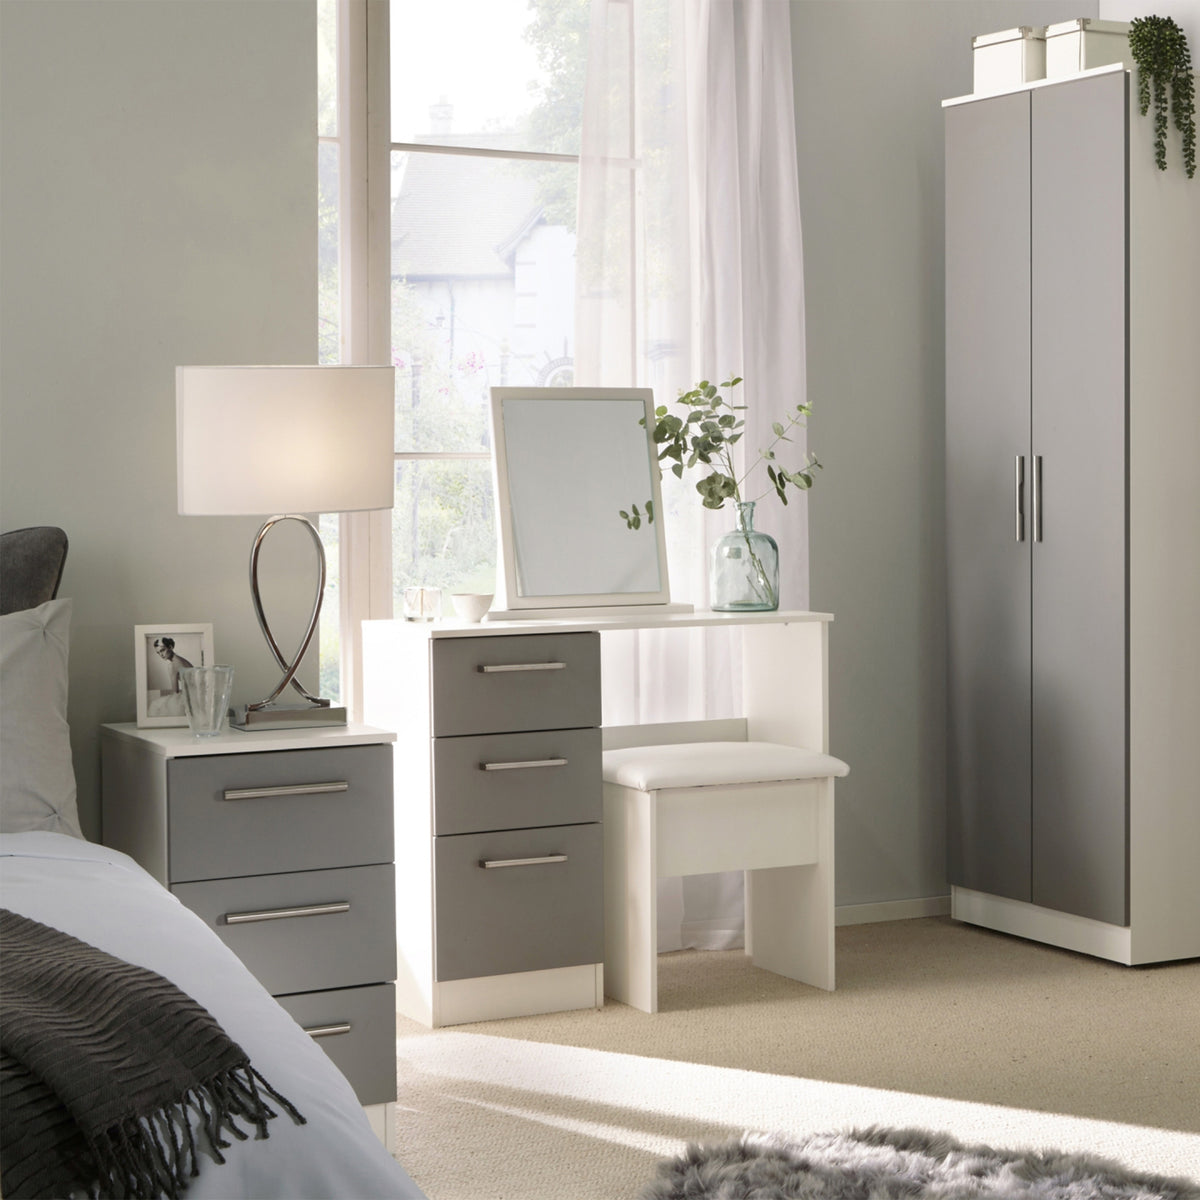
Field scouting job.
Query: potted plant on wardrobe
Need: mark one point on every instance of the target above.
(1160, 49)
(744, 571)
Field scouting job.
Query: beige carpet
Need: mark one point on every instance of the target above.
(934, 1024)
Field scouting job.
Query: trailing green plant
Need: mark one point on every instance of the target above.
(1160, 49)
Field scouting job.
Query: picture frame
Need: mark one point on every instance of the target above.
(158, 653)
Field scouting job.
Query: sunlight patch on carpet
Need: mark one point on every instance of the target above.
(619, 1135)
(697, 1095)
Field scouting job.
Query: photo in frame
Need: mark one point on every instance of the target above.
(159, 653)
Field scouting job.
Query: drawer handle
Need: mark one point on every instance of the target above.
(545, 666)
(517, 766)
(320, 1031)
(286, 789)
(489, 864)
(279, 914)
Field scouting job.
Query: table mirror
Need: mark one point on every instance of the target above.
(578, 501)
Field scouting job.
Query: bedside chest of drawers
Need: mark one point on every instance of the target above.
(498, 808)
(282, 842)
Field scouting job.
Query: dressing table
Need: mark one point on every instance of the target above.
(499, 729)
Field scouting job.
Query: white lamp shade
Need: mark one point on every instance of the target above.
(263, 441)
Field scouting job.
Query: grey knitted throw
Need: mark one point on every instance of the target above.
(108, 1072)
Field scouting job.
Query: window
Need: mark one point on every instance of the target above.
(486, 98)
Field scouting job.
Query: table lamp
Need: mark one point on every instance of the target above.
(278, 442)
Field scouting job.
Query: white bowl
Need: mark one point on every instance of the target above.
(471, 606)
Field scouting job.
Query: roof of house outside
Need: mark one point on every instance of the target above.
(461, 217)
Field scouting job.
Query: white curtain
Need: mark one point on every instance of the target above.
(689, 267)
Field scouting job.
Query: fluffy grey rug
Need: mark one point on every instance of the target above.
(897, 1164)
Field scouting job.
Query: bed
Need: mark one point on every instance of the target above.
(52, 875)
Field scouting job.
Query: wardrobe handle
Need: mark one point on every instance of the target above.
(1037, 497)
(1020, 496)
(543, 666)
(279, 914)
(489, 864)
(516, 766)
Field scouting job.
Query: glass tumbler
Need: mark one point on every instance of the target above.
(206, 697)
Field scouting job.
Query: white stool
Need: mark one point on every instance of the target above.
(697, 807)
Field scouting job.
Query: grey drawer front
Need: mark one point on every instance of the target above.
(469, 700)
(518, 918)
(305, 953)
(526, 783)
(366, 1052)
(212, 837)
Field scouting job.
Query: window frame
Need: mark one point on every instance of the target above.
(365, 148)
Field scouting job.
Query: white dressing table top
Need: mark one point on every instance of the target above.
(642, 620)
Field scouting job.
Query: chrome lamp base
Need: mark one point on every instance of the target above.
(286, 716)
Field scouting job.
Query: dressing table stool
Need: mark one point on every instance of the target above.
(697, 807)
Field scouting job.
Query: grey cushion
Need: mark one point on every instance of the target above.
(31, 566)
(37, 780)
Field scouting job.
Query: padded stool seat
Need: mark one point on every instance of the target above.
(707, 764)
(692, 808)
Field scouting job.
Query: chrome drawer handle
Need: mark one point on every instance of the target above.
(546, 666)
(489, 863)
(320, 1031)
(518, 766)
(286, 789)
(279, 914)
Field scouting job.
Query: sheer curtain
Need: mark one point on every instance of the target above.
(689, 267)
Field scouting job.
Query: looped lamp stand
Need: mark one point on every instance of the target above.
(278, 442)
(289, 668)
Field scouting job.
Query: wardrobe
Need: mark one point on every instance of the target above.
(1073, 521)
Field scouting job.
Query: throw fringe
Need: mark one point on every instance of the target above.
(145, 1157)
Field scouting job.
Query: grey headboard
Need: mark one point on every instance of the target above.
(31, 566)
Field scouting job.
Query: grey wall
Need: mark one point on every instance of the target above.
(157, 207)
(870, 76)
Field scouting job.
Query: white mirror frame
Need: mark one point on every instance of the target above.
(519, 605)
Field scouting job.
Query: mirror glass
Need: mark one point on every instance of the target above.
(571, 465)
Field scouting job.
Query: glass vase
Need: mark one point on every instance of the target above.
(744, 572)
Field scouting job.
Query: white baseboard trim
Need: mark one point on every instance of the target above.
(523, 994)
(892, 910)
(1065, 930)
(383, 1122)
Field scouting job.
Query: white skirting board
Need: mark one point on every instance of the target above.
(383, 1123)
(892, 910)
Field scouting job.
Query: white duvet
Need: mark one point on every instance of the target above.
(104, 898)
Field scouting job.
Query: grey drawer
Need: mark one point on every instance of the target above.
(304, 953)
(516, 780)
(212, 837)
(518, 918)
(365, 1052)
(511, 683)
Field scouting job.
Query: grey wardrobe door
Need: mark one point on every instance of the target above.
(987, 431)
(1079, 430)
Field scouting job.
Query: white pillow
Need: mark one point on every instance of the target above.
(37, 778)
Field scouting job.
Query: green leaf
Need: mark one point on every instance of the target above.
(650, 511)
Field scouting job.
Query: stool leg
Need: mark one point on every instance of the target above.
(790, 910)
(630, 898)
